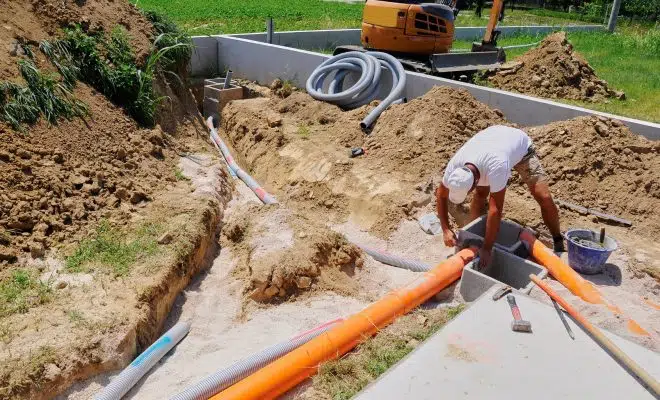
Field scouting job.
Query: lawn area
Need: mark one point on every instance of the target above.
(628, 60)
(201, 17)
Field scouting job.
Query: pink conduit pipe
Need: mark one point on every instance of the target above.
(245, 177)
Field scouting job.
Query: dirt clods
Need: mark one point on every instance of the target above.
(282, 254)
(554, 70)
(599, 163)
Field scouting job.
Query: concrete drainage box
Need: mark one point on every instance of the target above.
(507, 237)
(504, 268)
(216, 96)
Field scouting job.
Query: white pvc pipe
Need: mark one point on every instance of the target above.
(143, 363)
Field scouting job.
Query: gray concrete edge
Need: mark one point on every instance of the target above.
(264, 63)
(330, 38)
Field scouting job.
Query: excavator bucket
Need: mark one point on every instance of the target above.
(467, 61)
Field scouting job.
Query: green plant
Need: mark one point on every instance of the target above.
(109, 65)
(178, 174)
(170, 36)
(303, 131)
(21, 291)
(43, 94)
(109, 248)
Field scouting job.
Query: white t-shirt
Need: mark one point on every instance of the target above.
(494, 151)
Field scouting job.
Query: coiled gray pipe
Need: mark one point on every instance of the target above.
(143, 363)
(389, 259)
(365, 89)
(221, 380)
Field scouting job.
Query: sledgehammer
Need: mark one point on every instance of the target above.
(518, 324)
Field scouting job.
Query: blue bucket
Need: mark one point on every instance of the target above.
(585, 259)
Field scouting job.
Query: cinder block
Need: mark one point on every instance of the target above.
(216, 96)
(504, 268)
(506, 239)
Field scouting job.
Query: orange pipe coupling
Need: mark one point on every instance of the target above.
(285, 373)
(571, 279)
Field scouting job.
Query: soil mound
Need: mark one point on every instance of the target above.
(554, 70)
(409, 144)
(599, 163)
(57, 179)
(422, 135)
(282, 255)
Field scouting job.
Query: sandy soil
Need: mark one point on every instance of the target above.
(216, 304)
(375, 200)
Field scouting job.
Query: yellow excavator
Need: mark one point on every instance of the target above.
(421, 35)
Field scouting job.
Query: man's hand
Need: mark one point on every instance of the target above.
(484, 258)
(449, 238)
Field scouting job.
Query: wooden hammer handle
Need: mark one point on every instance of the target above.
(651, 384)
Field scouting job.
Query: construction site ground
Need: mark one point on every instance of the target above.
(285, 268)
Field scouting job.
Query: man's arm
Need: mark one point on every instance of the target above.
(495, 207)
(441, 196)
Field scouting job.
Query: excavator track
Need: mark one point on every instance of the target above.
(445, 64)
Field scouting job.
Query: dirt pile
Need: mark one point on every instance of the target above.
(554, 70)
(422, 135)
(282, 254)
(31, 21)
(599, 163)
(300, 147)
(56, 179)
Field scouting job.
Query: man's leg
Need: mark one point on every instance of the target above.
(549, 211)
(532, 173)
(478, 203)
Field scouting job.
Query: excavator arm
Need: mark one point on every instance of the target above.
(489, 41)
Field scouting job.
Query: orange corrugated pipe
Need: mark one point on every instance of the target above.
(283, 374)
(571, 279)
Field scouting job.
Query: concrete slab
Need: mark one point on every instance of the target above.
(504, 268)
(477, 356)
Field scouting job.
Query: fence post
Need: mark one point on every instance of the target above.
(613, 15)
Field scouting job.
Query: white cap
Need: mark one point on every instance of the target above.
(460, 182)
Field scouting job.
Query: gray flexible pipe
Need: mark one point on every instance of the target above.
(143, 363)
(221, 380)
(367, 86)
(264, 196)
(395, 261)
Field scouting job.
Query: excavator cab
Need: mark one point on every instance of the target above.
(408, 27)
(420, 34)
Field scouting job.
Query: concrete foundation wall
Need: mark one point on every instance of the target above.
(263, 63)
(329, 39)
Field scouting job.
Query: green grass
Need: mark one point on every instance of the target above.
(628, 60)
(109, 248)
(344, 378)
(43, 95)
(178, 174)
(200, 17)
(525, 17)
(303, 131)
(21, 291)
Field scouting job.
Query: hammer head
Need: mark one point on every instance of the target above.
(521, 325)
